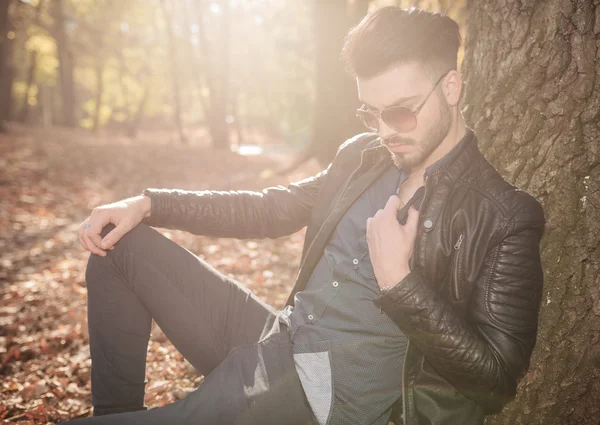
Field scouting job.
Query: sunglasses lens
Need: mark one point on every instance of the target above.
(369, 120)
(400, 118)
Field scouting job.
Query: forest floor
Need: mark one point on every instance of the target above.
(49, 182)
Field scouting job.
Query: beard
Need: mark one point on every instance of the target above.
(432, 139)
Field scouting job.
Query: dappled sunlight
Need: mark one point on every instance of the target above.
(53, 186)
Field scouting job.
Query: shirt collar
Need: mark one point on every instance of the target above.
(444, 161)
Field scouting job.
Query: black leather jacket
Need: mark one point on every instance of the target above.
(470, 304)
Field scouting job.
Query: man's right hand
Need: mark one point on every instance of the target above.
(124, 214)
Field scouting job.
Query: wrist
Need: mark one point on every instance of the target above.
(146, 205)
(385, 288)
(394, 279)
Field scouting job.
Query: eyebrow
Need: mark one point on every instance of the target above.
(401, 101)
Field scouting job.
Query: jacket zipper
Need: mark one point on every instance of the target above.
(455, 267)
(404, 405)
(404, 388)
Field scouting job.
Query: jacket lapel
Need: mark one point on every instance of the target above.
(374, 162)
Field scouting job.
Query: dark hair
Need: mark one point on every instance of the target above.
(391, 35)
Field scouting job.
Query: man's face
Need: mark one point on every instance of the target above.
(407, 85)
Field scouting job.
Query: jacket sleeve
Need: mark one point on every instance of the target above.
(485, 353)
(271, 213)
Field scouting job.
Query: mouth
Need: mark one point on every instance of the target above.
(398, 146)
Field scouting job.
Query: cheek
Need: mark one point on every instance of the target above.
(426, 121)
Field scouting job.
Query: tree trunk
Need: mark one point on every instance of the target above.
(4, 20)
(25, 108)
(197, 71)
(46, 107)
(99, 93)
(127, 109)
(236, 116)
(220, 100)
(336, 97)
(532, 95)
(216, 82)
(33, 57)
(173, 66)
(65, 70)
(5, 63)
(134, 125)
(6, 83)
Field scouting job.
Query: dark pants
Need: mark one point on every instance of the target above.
(227, 333)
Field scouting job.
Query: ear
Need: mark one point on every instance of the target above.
(452, 86)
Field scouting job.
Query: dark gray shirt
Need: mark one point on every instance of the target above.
(348, 354)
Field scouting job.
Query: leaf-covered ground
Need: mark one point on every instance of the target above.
(49, 181)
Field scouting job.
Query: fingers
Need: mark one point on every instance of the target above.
(89, 236)
(412, 219)
(368, 232)
(412, 210)
(92, 247)
(81, 241)
(392, 206)
(114, 236)
(95, 238)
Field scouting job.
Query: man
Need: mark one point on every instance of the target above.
(419, 286)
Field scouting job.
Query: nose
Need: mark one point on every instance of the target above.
(385, 132)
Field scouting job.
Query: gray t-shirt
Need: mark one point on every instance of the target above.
(348, 354)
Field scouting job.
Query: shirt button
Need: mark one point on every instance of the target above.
(355, 261)
(310, 317)
(335, 284)
(428, 224)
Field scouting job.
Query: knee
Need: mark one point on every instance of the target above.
(135, 239)
(132, 241)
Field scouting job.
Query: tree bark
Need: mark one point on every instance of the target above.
(532, 95)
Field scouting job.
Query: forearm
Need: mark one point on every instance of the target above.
(273, 212)
(452, 346)
(239, 214)
(146, 206)
(484, 352)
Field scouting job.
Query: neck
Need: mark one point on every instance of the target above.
(455, 134)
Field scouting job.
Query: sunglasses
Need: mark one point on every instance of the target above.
(399, 118)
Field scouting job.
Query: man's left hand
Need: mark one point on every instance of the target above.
(390, 243)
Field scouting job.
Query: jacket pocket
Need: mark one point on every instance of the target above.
(455, 281)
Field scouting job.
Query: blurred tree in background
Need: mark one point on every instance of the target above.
(6, 72)
(236, 67)
(235, 71)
